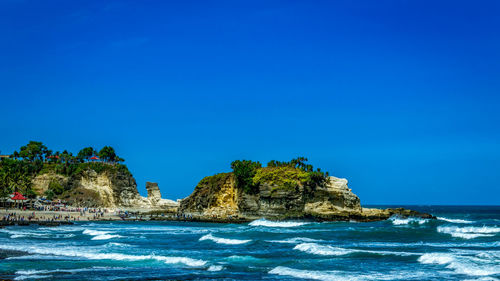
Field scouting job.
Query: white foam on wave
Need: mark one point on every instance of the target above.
(244, 259)
(116, 244)
(266, 223)
(94, 232)
(23, 277)
(428, 244)
(315, 275)
(100, 235)
(459, 264)
(215, 268)
(489, 255)
(183, 260)
(74, 252)
(436, 258)
(454, 220)
(469, 232)
(327, 250)
(295, 240)
(349, 276)
(473, 270)
(74, 270)
(223, 240)
(407, 221)
(483, 279)
(35, 233)
(324, 250)
(39, 257)
(106, 237)
(305, 274)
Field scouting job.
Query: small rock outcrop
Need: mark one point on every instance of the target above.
(154, 197)
(153, 190)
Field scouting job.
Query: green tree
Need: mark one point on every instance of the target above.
(56, 187)
(85, 154)
(4, 183)
(244, 171)
(49, 194)
(34, 150)
(108, 154)
(15, 155)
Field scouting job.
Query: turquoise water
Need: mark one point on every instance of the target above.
(464, 244)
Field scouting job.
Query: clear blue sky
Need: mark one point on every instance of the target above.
(402, 98)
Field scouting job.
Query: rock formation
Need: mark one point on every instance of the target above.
(218, 198)
(108, 188)
(154, 197)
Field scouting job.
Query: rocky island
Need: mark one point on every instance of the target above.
(282, 190)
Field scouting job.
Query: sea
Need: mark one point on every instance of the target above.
(462, 244)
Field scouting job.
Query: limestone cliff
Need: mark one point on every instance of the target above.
(218, 198)
(107, 188)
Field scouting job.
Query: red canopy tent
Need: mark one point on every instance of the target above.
(18, 196)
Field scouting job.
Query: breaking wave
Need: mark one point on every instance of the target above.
(454, 220)
(459, 264)
(469, 232)
(100, 235)
(436, 258)
(295, 240)
(223, 240)
(105, 237)
(264, 222)
(323, 250)
(303, 274)
(407, 221)
(215, 268)
(326, 250)
(45, 271)
(94, 232)
(73, 252)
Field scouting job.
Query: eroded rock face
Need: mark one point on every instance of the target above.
(333, 199)
(217, 198)
(41, 182)
(214, 196)
(154, 197)
(105, 189)
(154, 194)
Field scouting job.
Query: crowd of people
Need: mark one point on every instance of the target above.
(54, 213)
(14, 217)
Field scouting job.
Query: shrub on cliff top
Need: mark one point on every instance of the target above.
(315, 178)
(244, 171)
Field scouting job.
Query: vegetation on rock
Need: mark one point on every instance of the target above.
(17, 172)
(244, 172)
(250, 175)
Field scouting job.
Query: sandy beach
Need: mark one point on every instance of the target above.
(58, 215)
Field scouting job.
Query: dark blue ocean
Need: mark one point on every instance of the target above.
(463, 244)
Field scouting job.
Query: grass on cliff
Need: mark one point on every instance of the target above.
(281, 176)
(214, 182)
(250, 175)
